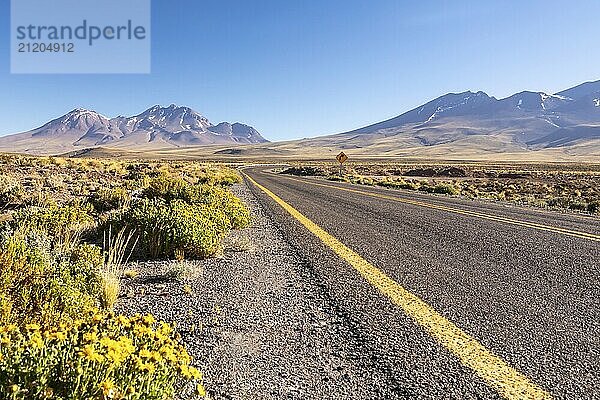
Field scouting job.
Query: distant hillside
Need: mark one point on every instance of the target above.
(474, 125)
(469, 125)
(157, 127)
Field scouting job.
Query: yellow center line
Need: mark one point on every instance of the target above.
(542, 227)
(509, 382)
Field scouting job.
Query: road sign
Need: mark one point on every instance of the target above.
(342, 157)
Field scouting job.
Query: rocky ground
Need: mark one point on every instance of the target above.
(254, 320)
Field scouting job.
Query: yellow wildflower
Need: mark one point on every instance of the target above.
(145, 353)
(148, 319)
(123, 320)
(156, 357)
(115, 356)
(36, 341)
(200, 390)
(126, 344)
(140, 330)
(107, 342)
(15, 388)
(108, 389)
(165, 329)
(77, 323)
(90, 353)
(60, 336)
(185, 371)
(194, 373)
(32, 327)
(8, 328)
(168, 354)
(147, 367)
(90, 336)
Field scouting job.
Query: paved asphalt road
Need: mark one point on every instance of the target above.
(529, 295)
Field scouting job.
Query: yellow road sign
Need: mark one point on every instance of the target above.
(342, 157)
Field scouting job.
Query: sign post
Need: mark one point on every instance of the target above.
(342, 158)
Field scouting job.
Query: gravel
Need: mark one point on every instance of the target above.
(257, 321)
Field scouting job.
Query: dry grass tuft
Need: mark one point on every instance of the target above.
(115, 259)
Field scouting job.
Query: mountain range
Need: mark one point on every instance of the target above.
(467, 125)
(157, 127)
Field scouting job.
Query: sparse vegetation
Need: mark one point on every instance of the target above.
(67, 231)
(573, 187)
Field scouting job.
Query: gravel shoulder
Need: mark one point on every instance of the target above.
(257, 322)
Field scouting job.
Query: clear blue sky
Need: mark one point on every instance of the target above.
(304, 68)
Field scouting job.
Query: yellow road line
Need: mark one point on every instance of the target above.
(509, 382)
(548, 228)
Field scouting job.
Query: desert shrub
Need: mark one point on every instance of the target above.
(166, 187)
(214, 197)
(40, 199)
(44, 281)
(169, 227)
(398, 184)
(424, 187)
(110, 199)
(446, 188)
(561, 202)
(305, 171)
(57, 221)
(210, 196)
(440, 188)
(361, 180)
(335, 178)
(577, 205)
(98, 356)
(223, 176)
(11, 190)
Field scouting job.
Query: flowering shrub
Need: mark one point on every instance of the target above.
(43, 281)
(216, 197)
(219, 198)
(167, 228)
(223, 176)
(167, 188)
(101, 356)
(56, 220)
(175, 217)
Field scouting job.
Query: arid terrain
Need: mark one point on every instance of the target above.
(261, 277)
(573, 187)
(72, 231)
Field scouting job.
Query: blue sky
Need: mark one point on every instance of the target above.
(304, 68)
